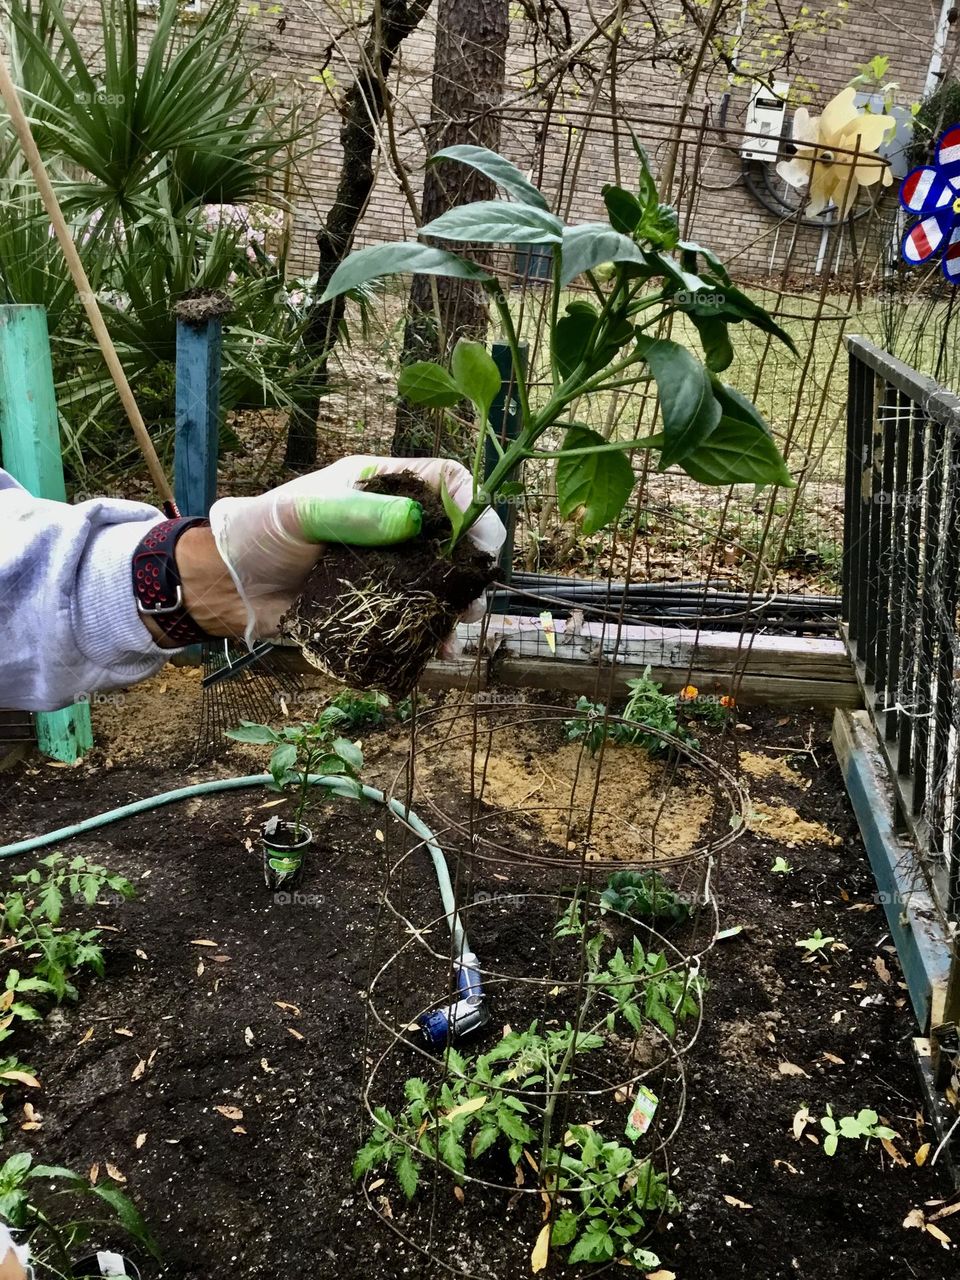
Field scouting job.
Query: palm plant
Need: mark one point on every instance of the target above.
(142, 139)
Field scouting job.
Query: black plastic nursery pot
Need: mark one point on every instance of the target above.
(284, 848)
(106, 1263)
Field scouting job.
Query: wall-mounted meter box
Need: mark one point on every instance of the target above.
(765, 118)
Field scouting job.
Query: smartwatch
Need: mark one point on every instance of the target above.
(157, 588)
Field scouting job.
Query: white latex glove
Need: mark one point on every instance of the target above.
(270, 542)
(13, 1258)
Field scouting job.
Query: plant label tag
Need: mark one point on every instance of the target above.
(549, 630)
(641, 1112)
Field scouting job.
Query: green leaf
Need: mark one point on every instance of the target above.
(250, 732)
(715, 340)
(595, 1245)
(483, 1140)
(688, 251)
(476, 374)
(688, 407)
(51, 901)
(429, 384)
(647, 188)
(737, 453)
(624, 208)
(415, 1089)
(736, 405)
(406, 258)
(592, 243)
(282, 761)
(454, 513)
(452, 1151)
(127, 1213)
(507, 176)
(571, 336)
(496, 222)
(830, 1144)
(408, 1174)
(599, 483)
(564, 1229)
(349, 753)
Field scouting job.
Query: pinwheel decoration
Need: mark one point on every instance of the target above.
(933, 192)
(837, 154)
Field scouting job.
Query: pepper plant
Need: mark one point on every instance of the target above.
(304, 749)
(638, 273)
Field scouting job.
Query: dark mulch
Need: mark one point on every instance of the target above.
(271, 1020)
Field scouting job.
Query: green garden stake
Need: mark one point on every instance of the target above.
(30, 433)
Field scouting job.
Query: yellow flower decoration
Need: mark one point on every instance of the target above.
(689, 693)
(821, 163)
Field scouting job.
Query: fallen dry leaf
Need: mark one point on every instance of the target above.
(87, 1035)
(20, 1077)
(541, 1250)
(661, 1275)
(142, 955)
(6, 1000)
(458, 1194)
(800, 1122)
(374, 1186)
(140, 1140)
(238, 1128)
(94, 1174)
(248, 1035)
(122, 1031)
(785, 1164)
(737, 1204)
(230, 1113)
(946, 1212)
(203, 942)
(200, 968)
(883, 973)
(289, 1008)
(893, 1153)
(139, 1069)
(921, 1155)
(266, 1067)
(296, 1034)
(791, 1069)
(113, 1172)
(832, 1057)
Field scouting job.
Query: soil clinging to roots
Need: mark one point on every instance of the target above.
(373, 617)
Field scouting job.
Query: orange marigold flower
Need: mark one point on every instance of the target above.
(689, 692)
(727, 701)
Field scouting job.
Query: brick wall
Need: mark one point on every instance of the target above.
(571, 154)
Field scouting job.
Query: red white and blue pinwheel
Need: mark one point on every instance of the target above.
(933, 192)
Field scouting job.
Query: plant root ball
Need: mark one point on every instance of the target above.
(373, 617)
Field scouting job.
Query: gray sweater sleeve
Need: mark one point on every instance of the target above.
(68, 619)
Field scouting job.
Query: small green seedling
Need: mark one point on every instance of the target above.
(781, 867)
(304, 749)
(816, 943)
(30, 1199)
(643, 895)
(860, 1128)
(649, 713)
(358, 712)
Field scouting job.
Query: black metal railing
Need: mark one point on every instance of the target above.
(901, 565)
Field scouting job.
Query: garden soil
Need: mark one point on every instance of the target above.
(218, 1065)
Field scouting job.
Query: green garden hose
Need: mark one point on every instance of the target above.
(331, 783)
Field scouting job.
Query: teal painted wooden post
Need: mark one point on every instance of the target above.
(31, 453)
(197, 416)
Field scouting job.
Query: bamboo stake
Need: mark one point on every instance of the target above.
(21, 127)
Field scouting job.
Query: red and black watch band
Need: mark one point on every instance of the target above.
(157, 588)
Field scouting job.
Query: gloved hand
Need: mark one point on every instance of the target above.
(271, 542)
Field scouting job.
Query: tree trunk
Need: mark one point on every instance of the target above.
(468, 87)
(364, 106)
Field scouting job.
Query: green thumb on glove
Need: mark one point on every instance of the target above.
(359, 519)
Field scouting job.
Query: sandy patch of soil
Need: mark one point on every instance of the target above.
(645, 807)
(783, 824)
(760, 767)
